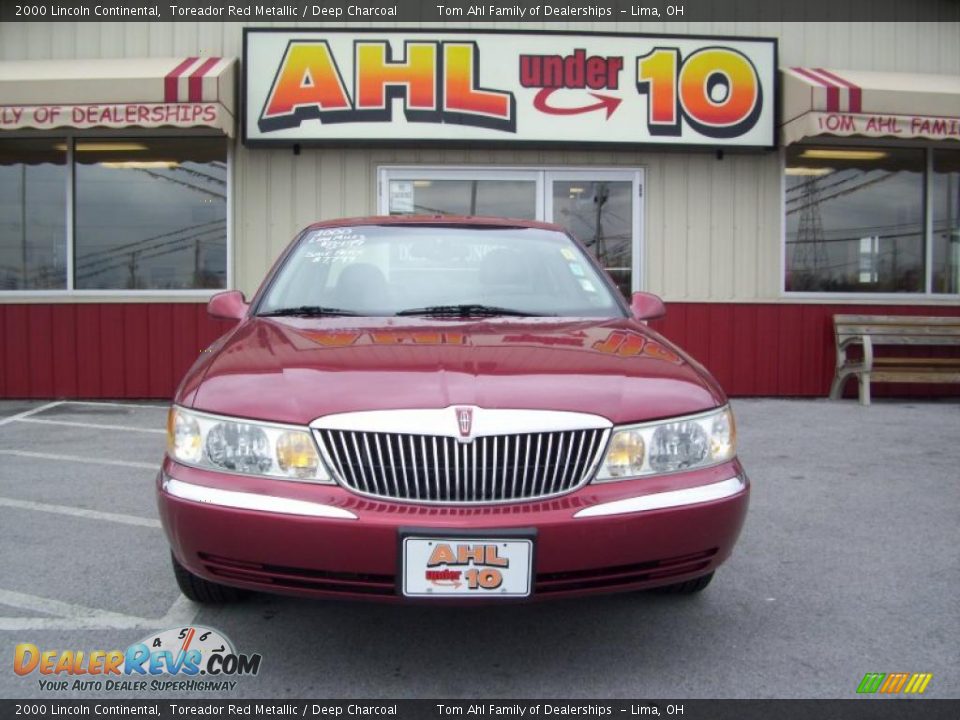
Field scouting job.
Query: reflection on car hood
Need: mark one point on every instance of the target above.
(297, 369)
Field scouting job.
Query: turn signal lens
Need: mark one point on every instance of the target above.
(296, 454)
(723, 437)
(184, 441)
(626, 453)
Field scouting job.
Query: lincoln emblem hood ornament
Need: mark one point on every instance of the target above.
(464, 421)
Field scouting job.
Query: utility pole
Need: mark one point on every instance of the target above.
(600, 198)
(810, 255)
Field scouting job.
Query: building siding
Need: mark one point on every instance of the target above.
(776, 349)
(105, 350)
(712, 228)
(141, 350)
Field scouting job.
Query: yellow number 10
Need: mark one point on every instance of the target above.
(715, 89)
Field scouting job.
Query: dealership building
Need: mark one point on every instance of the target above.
(760, 177)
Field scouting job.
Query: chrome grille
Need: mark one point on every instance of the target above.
(441, 469)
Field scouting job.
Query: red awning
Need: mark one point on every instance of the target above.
(118, 93)
(845, 103)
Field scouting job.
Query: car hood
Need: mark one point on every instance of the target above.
(295, 370)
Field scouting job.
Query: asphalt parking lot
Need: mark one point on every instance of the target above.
(848, 564)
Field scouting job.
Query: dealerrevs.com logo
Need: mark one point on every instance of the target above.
(182, 659)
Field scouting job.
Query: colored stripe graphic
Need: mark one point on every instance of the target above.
(893, 683)
(918, 683)
(196, 79)
(854, 91)
(833, 91)
(170, 93)
(871, 682)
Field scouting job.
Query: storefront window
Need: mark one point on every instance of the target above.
(946, 221)
(150, 214)
(855, 219)
(147, 214)
(33, 197)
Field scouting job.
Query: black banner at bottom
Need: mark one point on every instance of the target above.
(858, 709)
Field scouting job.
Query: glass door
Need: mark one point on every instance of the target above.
(600, 207)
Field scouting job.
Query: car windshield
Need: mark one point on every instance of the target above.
(438, 270)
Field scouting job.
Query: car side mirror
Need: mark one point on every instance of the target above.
(230, 305)
(647, 306)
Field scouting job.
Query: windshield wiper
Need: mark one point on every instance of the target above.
(467, 310)
(307, 311)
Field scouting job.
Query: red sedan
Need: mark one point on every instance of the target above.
(446, 409)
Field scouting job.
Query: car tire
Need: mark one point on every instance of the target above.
(688, 587)
(203, 591)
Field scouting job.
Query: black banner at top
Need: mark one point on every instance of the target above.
(479, 11)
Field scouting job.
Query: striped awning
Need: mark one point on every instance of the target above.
(118, 93)
(847, 103)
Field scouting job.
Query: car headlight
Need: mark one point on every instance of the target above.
(666, 446)
(243, 446)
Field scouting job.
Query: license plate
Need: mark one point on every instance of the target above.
(466, 567)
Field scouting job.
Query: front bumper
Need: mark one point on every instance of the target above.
(322, 540)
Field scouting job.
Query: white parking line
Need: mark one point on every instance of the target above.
(28, 413)
(182, 612)
(118, 404)
(77, 458)
(57, 607)
(80, 512)
(70, 616)
(79, 617)
(91, 425)
(18, 624)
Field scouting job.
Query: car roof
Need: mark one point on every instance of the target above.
(461, 220)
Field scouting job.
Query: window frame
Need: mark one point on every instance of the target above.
(71, 292)
(926, 296)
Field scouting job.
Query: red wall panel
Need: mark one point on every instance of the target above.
(64, 373)
(16, 350)
(86, 339)
(100, 350)
(141, 350)
(778, 349)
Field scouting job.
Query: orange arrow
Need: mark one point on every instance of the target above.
(609, 102)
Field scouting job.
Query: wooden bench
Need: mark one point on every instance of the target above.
(871, 331)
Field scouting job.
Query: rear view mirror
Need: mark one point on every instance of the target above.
(230, 305)
(647, 306)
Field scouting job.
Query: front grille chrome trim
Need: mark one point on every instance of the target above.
(669, 499)
(565, 450)
(205, 495)
(442, 421)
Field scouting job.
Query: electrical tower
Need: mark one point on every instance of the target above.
(810, 255)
